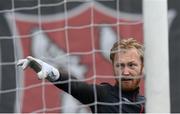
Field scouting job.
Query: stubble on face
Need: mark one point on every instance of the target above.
(127, 63)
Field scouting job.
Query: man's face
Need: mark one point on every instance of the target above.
(127, 63)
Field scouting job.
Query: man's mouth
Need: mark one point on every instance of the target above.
(125, 79)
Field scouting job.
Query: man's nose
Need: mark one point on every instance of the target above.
(125, 71)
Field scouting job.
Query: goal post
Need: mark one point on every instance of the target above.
(156, 56)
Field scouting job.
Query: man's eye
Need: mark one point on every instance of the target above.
(132, 65)
(120, 65)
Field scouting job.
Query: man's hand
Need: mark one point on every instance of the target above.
(43, 70)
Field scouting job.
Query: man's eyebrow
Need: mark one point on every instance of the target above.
(133, 60)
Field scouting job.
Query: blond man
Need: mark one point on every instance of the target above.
(123, 97)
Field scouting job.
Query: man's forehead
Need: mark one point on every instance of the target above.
(130, 55)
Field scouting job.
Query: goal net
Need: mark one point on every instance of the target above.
(76, 35)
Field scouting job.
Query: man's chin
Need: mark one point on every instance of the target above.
(128, 88)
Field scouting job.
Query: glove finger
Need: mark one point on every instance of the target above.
(31, 58)
(24, 63)
(21, 62)
(42, 74)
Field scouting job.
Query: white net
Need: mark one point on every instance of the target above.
(76, 35)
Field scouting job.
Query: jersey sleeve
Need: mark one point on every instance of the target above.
(82, 91)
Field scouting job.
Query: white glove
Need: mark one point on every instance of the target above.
(43, 70)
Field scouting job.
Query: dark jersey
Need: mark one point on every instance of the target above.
(102, 98)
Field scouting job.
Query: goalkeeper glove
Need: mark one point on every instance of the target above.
(43, 70)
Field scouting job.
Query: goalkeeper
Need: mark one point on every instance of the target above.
(123, 97)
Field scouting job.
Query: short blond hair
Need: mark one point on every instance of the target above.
(127, 44)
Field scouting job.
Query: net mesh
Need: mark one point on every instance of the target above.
(75, 35)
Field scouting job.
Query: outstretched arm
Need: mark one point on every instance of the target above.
(78, 89)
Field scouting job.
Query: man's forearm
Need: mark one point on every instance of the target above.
(78, 89)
